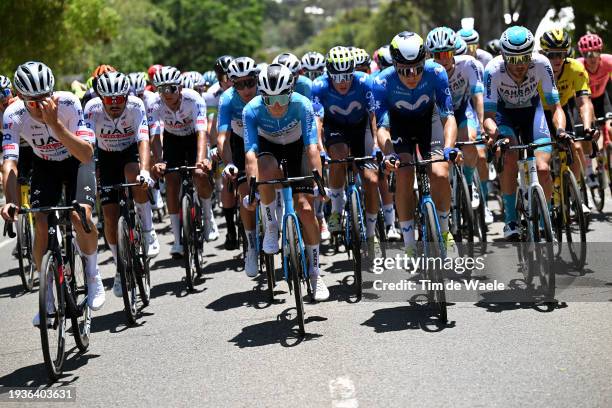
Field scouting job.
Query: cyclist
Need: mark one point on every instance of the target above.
(493, 47)
(513, 108)
(230, 141)
(465, 80)
(599, 68)
(150, 74)
(313, 64)
(302, 84)
(362, 60)
(212, 95)
(384, 60)
(119, 123)
(278, 124)
(414, 108)
(183, 114)
(52, 123)
(92, 92)
(471, 38)
(343, 108)
(572, 80)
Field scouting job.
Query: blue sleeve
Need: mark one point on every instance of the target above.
(224, 117)
(369, 97)
(444, 100)
(309, 129)
(317, 93)
(249, 119)
(304, 87)
(379, 98)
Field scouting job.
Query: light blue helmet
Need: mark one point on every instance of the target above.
(441, 39)
(469, 35)
(209, 78)
(516, 40)
(460, 46)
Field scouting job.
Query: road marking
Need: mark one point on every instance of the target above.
(5, 243)
(342, 391)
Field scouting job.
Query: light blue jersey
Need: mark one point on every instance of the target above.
(230, 112)
(303, 86)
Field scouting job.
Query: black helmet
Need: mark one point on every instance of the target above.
(221, 65)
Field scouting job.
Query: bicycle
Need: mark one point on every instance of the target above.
(192, 225)
(25, 231)
(462, 221)
(354, 229)
(429, 233)
(132, 248)
(62, 286)
(294, 261)
(603, 171)
(535, 228)
(567, 213)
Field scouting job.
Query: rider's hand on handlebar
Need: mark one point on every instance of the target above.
(144, 177)
(204, 165)
(452, 154)
(391, 162)
(230, 171)
(5, 212)
(248, 205)
(158, 169)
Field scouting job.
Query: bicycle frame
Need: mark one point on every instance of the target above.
(287, 193)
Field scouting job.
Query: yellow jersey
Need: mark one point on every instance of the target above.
(574, 80)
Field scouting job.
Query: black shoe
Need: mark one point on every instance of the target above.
(231, 242)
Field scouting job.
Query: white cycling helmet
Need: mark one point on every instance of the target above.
(516, 40)
(34, 79)
(441, 39)
(313, 61)
(167, 76)
(362, 58)
(241, 67)
(290, 61)
(138, 82)
(407, 48)
(4, 82)
(113, 84)
(469, 35)
(187, 81)
(340, 60)
(460, 46)
(384, 57)
(196, 77)
(276, 79)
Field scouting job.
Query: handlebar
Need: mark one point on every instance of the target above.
(416, 163)
(253, 184)
(75, 206)
(121, 186)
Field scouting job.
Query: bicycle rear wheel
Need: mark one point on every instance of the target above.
(81, 320)
(574, 221)
(51, 307)
(463, 216)
(189, 255)
(433, 246)
(125, 266)
(542, 258)
(296, 272)
(598, 194)
(356, 228)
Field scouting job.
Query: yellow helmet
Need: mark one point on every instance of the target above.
(555, 40)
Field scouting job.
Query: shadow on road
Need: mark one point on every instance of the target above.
(412, 317)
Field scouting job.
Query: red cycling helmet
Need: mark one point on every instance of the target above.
(152, 70)
(590, 42)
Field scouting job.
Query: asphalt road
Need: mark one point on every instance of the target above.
(225, 346)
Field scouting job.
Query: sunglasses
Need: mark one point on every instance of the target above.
(114, 100)
(282, 100)
(168, 89)
(33, 103)
(412, 71)
(247, 83)
(517, 59)
(591, 54)
(443, 55)
(556, 55)
(337, 78)
(314, 74)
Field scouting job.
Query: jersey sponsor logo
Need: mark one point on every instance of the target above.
(423, 99)
(345, 112)
(42, 141)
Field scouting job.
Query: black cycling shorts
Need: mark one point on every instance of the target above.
(292, 153)
(350, 134)
(237, 146)
(409, 131)
(569, 120)
(111, 166)
(180, 150)
(24, 164)
(48, 178)
(599, 105)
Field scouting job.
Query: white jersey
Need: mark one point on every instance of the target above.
(116, 135)
(188, 119)
(483, 56)
(466, 79)
(211, 97)
(501, 88)
(18, 123)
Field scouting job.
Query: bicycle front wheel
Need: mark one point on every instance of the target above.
(197, 237)
(598, 194)
(356, 228)
(142, 270)
(574, 220)
(51, 307)
(189, 257)
(125, 266)
(27, 267)
(463, 217)
(296, 272)
(542, 257)
(433, 250)
(480, 226)
(81, 320)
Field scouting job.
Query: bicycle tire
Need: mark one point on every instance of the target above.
(543, 254)
(295, 271)
(466, 221)
(187, 218)
(584, 193)
(53, 361)
(609, 164)
(81, 322)
(270, 275)
(433, 243)
(197, 238)
(381, 233)
(480, 226)
(573, 201)
(356, 229)
(25, 256)
(598, 194)
(142, 271)
(125, 267)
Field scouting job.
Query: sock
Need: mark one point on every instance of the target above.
(588, 168)
(175, 226)
(91, 268)
(269, 211)
(338, 200)
(484, 186)
(251, 237)
(229, 214)
(206, 204)
(312, 251)
(443, 219)
(158, 199)
(319, 209)
(145, 214)
(509, 208)
(389, 213)
(469, 174)
(113, 249)
(371, 224)
(408, 232)
(280, 205)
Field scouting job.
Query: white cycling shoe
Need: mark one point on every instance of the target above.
(250, 263)
(270, 241)
(152, 243)
(319, 289)
(95, 291)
